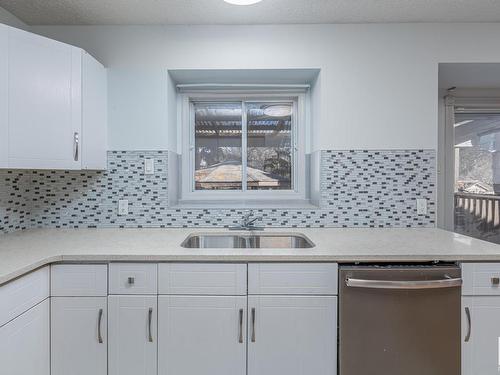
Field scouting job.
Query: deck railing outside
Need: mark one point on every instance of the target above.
(478, 215)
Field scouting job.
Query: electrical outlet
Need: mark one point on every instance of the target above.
(421, 206)
(122, 207)
(149, 166)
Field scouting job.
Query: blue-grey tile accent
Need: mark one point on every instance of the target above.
(14, 200)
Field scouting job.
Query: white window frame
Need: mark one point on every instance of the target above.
(300, 128)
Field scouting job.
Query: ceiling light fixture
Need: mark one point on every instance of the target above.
(242, 2)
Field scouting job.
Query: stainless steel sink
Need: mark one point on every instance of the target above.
(247, 241)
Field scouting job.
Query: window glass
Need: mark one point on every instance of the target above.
(269, 146)
(477, 141)
(477, 175)
(218, 141)
(243, 151)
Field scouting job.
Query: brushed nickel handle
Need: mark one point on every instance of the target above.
(391, 284)
(469, 324)
(150, 318)
(76, 146)
(253, 324)
(99, 335)
(240, 332)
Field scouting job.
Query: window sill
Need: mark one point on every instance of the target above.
(246, 204)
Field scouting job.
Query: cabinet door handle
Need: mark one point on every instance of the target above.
(240, 322)
(253, 324)
(469, 324)
(150, 318)
(76, 144)
(99, 335)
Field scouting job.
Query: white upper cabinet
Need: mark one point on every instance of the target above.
(94, 114)
(44, 102)
(55, 98)
(4, 116)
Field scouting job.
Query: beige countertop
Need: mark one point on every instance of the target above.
(24, 251)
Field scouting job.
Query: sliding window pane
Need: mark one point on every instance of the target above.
(477, 175)
(218, 161)
(269, 141)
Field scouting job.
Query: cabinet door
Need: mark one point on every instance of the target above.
(78, 339)
(24, 343)
(293, 335)
(44, 102)
(4, 97)
(132, 335)
(203, 335)
(480, 338)
(94, 114)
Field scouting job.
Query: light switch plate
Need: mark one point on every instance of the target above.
(149, 166)
(421, 206)
(122, 207)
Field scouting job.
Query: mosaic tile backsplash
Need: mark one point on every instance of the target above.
(358, 189)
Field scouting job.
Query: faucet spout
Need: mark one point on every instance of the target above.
(247, 222)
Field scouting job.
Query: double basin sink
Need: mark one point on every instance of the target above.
(247, 241)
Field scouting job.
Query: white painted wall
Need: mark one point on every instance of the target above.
(378, 88)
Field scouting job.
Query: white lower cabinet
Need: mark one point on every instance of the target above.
(132, 335)
(203, 335)
(79, 335)
(25, 342)
(292, 335)
(480, 335)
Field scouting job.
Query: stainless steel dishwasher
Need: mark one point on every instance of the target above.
(399, 320)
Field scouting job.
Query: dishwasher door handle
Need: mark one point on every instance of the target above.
(392, 284)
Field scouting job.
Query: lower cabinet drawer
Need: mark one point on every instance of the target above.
(293, 278)
(22, 294)
(203, 279)
(481, 279)
(133, 278)
(79, 280)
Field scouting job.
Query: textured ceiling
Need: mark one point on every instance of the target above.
(162, 12)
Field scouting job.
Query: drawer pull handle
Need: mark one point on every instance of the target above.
(469, 324)
(131, 280)
(240, 332)
(253, 324)
(495, 281)
(150, 318)
(99, 335)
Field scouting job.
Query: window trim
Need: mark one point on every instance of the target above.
(299, 134)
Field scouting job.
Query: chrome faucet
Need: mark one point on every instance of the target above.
(247, 222)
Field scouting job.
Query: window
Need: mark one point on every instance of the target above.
(243, 147)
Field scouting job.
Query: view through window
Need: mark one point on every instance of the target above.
(477, 174)
(243, 145)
